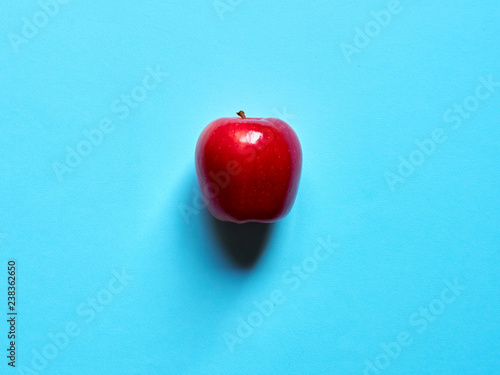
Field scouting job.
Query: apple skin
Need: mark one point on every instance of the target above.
(248, 169)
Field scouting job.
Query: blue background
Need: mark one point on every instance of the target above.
(122, 206)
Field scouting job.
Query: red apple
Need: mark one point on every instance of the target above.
(248, 168)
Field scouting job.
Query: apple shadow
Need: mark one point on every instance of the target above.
(243, 244)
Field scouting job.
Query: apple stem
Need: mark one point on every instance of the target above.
(241, 114)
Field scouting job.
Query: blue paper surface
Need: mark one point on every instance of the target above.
(388, 262)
